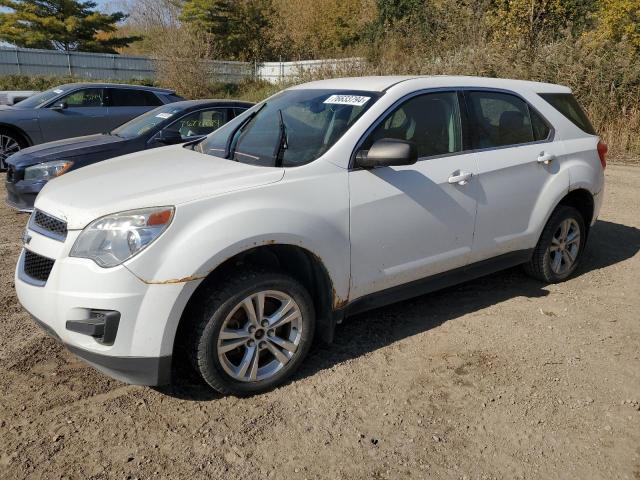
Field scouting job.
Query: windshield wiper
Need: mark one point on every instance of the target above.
(278, 154)
(228, 150)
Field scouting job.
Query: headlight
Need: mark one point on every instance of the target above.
(113, 239)
(48, 170)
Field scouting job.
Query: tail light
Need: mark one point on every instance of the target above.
(602, 153)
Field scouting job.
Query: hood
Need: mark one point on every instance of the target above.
(63, 149)
(162, 176)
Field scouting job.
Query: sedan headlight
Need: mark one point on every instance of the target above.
(113, 239)
(48, 170)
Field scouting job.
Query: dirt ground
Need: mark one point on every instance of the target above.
(502, 377)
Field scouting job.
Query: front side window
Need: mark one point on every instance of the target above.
(431, 121)
(199, 123)
(128, 97)
(501, 119)
(86, 97)
(290, 129)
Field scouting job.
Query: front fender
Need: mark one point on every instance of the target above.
(204, 235)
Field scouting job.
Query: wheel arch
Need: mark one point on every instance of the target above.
(582, 200)
(300, 263)
(17, 131)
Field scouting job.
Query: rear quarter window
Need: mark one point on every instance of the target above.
(568, 106)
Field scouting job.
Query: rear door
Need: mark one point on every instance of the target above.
(127, 103)
(414, 221)
(517, 156)
(84, 114)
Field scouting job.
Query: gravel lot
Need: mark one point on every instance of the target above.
(502, 377)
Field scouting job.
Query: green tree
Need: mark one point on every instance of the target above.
(403, 16)
(61, 25)
(238, 28)
(528, 24)
(619, 20)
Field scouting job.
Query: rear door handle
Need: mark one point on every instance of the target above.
(546, 158)
(460, 177)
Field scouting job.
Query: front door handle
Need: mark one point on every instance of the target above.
(546, 158)
(460, 177)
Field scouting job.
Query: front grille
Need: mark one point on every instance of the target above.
(36, 266)
(48, 225)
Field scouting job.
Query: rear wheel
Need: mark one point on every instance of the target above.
(10, 143)
(251, 333)
(558, 252)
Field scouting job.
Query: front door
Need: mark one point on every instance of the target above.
(415, 221)
(83, 114)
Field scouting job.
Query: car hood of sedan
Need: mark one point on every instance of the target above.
(159, 177)
(65, 149)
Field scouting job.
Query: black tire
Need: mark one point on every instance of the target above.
(216, 302)
(10, 137)
(540, 265)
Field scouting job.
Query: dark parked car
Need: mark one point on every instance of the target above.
(29, 169)
(72, 110)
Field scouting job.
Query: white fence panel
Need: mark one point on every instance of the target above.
(100, 66)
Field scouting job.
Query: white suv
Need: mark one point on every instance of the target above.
(327, 199)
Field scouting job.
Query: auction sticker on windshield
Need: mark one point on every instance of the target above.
(164, 115)
(356, 100)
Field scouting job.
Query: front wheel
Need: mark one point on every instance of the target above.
(10, 143)
(251, 333)
(560, 247)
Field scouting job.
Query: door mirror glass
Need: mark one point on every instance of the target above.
(388, 152)
(59, 105)
(169, 137)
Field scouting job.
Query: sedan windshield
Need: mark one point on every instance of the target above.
(147, 121)
(35, 100)
(292, 128)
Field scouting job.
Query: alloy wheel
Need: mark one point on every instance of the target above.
(8, 146)
(565, 244)
(260, 336)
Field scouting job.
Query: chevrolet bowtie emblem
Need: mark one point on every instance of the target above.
(26, 238)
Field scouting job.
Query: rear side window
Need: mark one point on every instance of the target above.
(430, 121)
(541, 129)
(500, 119)
(568, 106)
(123, 97)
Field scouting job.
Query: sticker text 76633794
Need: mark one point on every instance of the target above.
(355, 100)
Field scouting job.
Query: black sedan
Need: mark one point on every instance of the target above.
(30, 169)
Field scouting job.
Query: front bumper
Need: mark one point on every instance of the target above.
(143, 345)
(21, 195)
(134, 370)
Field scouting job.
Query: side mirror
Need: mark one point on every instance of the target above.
(169, 137)
(388, 152)
(60, 106)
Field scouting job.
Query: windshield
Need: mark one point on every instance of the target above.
(35, 100)
(292, 128)
(147, 121)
